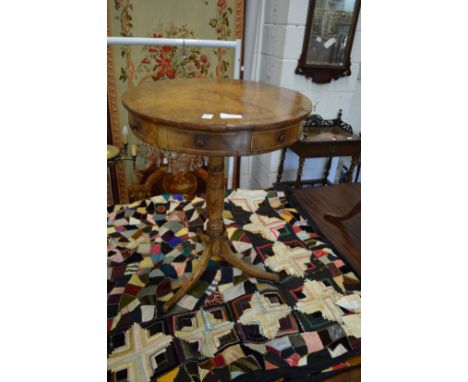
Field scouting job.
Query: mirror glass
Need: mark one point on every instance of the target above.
(330, 32)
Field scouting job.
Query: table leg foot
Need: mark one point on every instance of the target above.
(231, 258)
(196, 274)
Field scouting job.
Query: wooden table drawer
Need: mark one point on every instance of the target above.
(273, 140)
(198, 143)
(143, 130)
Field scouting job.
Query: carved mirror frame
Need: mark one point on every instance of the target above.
(322, 73)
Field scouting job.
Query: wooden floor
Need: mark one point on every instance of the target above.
(337, 200)
(345, 235)
(352, 375)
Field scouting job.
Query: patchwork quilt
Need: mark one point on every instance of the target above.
(229, 327)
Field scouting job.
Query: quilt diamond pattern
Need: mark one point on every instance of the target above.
(229, 326)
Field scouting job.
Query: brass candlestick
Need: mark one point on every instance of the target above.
(115, 154)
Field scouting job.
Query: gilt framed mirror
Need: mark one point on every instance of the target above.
(328, 39)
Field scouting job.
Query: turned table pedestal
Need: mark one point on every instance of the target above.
(189, 116)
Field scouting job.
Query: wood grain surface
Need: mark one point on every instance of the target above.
(336, 200)
(182, 102)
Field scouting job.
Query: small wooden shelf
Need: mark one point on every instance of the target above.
(323, 138)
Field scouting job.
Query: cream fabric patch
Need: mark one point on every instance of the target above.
(339, 350)
(232, 353)
(320, 298)
(352, 325)
(233, 292)
(351, 302)
(188, 302)
(139, 343)
(265, 314)
(205, 330)
(292, 260)
(265, 226)
(248, 200)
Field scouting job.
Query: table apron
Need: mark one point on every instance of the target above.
(195, 142)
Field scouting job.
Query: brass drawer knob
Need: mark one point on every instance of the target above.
(200, 141)
(282, 137)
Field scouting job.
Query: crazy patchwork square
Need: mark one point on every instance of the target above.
(203, 333)
(138, 352)
(263, 316)
(248, 200)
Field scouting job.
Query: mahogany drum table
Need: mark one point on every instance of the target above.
(168, 114)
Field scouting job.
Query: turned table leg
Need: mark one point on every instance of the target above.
(215, 197)
(354, 161)
(215, 240)
(326, 171)
(196, 274)
(298, 185)
(281, 166)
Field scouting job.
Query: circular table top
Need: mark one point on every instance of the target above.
(183, 102)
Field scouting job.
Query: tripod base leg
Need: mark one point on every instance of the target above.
(196, 274)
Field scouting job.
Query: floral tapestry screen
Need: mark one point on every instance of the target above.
(130, 66)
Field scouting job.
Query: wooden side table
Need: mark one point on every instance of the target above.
(187, 116)
(341, 202)
(324, 138)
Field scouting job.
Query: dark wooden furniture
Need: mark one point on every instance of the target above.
(328, 40)
(339, 218)
(169, 114)
(324, 138)
(337, 200)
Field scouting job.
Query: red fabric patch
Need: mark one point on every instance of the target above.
(293, 360)
(132, 290)
(339, 263)
(339, 366)
(219, 360)
(270, 366)
(311, 266)
(270, 349)
(164, 287)
(319, 253)
(244, 238)
(118, 272)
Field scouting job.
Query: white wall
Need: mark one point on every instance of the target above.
(279, 34)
